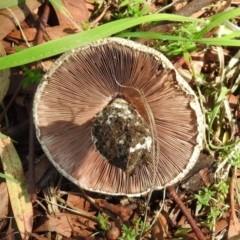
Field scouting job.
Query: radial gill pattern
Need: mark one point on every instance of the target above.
(83, 82)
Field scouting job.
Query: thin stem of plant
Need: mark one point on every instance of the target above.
(98, 19)
(155, 147)
(168, 6)
(19, 25)
(71, 208)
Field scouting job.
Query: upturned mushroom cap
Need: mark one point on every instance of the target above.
(92, 123)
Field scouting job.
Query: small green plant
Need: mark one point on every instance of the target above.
(187, 31)
(134, 8)
(103, 222)
(130, 233)
(185, 38)
(31, 76)
(204, 197)
(86, 25)
(234, 159)
(213, 197)
(222, 187)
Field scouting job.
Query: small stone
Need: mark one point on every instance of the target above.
(113, 233)
(122, 136)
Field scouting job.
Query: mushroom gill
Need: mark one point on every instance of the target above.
(70, 115)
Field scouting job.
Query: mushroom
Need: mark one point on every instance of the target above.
(93, 125)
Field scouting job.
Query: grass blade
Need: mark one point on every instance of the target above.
(152, 35)
(221, 41)
(10, 3)
(217, 20)
(69, 42)
(218, 42)
(213, 116)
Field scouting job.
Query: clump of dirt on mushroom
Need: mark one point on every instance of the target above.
(122, 136)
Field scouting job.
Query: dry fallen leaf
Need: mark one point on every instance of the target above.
(4, 76)
(234, 228)
(74, 7)
(20, 12)
(58, 223)
(4, 206)
(81, 222)
(220, 226)
(51, 33)
(124, 212)
(17, 189)
(160, 228)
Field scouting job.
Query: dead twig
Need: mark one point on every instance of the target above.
(124, 212)
(43, 23)
(31, 177)
(186, 213)
(98, 19)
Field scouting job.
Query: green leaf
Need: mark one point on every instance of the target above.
(217, 20)
(3, 136)
(124, 3)
(214, 114)
(230, 36)
(10, 3)
(79, 39)
(182, 232)
(11, 179)
(218, 41)
(217, 106)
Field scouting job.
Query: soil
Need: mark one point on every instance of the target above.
(121, 136)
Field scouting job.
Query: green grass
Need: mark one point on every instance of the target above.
(67, 43)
